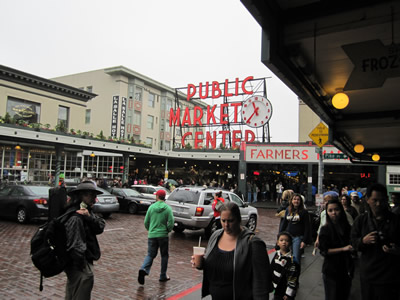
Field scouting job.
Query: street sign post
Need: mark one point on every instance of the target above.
(320, 134)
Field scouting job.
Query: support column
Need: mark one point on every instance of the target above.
(381, 178)
(126, 168)
(58, 165)
(309, 184)
(242, 171)
(320, 171)
(166, 169)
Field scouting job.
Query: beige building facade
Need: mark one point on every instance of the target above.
(32, 99)
(130, 106)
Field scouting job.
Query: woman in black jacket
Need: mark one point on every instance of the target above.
(334, 244)
(297, 222)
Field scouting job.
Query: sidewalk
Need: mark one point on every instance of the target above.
(311, 283)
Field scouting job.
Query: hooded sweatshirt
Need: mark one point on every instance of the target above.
(159, 220)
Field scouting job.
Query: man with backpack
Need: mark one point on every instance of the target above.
(82, 246)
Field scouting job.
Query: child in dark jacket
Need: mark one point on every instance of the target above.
(285, 270)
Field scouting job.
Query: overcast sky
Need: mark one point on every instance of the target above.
(175, 42)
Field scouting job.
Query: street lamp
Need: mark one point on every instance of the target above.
(92, 154)
(17, 147)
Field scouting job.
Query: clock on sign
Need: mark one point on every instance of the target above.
(256, 111)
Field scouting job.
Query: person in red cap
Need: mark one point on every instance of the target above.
(159, 221)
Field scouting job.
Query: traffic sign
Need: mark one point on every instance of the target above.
(320, 134)
(335, 156)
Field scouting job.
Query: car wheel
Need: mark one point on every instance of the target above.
(210, 229)
(22, 215)
(105, 215)
(178, 229)
(133, 208)
(252, 223)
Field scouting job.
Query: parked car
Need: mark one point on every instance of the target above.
(192, 209)
(24, 202)
(106, 203)
(131, 200)
(149, 190)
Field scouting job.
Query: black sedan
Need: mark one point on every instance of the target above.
(24, 202)
(130, 200)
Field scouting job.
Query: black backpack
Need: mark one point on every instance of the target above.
(49, 249)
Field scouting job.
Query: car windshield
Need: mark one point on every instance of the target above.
(132, 193)
(185, 196)
(39, 190)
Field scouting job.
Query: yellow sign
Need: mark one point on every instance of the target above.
(320, 134)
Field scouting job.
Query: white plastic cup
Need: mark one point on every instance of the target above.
(198, 253)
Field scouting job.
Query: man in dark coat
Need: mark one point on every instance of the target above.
(82, 245)
(376, 235)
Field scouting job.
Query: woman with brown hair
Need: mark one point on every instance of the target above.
(236, 263)
(346, 202)
(297, 222)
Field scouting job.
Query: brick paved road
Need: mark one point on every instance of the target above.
(124, 246)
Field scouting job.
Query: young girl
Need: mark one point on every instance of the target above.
(285, 271)
(334, 244)
(297, 223)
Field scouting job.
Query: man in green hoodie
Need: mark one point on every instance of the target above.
(159, 221)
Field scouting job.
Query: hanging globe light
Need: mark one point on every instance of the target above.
(340, 101)
(376, 157)
(359, 148)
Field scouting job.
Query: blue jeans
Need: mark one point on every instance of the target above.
(249, 197)
(296, 248)
(152, 248)
(255, 197)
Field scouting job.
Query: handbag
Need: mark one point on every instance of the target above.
(219, 204)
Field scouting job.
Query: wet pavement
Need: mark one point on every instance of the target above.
(124, 246)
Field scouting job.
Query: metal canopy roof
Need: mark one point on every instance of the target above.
(321, 47)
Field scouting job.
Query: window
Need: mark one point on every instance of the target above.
(138, 94)
(167, 145)
(151, 101)
(20, 109)
(137, 118)
(237, 200)
(163, 100)
(87, 116)
(394, 178)
(149, 141)
(162, 125)
(63, 116)
(150, 122)
(130, 91)
(169, 105)
(167, 128)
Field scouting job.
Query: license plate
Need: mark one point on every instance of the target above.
(179, 209)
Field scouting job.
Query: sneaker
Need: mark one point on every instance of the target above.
(164, 279)
(142, 274)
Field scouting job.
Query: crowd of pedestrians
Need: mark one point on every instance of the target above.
(236, 263)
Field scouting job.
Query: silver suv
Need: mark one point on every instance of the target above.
(192, 209)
